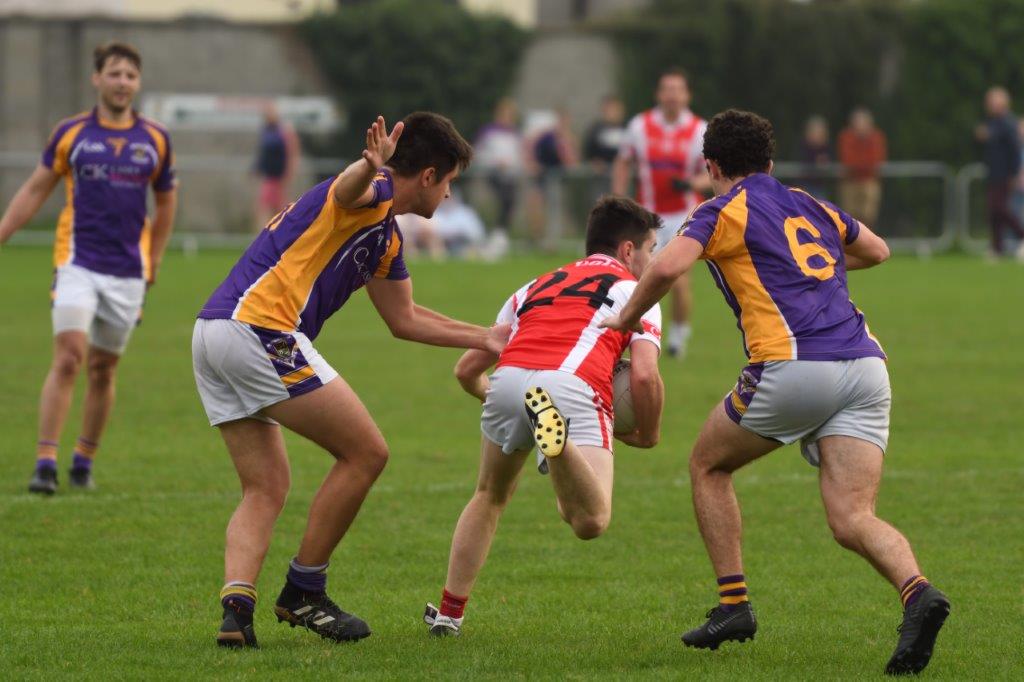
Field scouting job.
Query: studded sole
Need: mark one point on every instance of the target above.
(550, 428)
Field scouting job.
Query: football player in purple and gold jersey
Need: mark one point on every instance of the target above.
(815, 374)
(256, 368)
(106, 252)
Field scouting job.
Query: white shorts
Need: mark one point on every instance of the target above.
(806, 400)
(241, 369)
(504, 419)
(670, 224)
(105, 307)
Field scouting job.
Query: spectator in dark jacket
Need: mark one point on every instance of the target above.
(1001, 153)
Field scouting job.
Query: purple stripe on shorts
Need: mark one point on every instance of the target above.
(286, 357)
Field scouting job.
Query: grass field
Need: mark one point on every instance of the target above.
(122, 583)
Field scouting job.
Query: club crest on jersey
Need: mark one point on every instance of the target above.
(143, 153)
(282, 349)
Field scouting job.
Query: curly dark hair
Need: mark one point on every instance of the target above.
(614, 220)
(740, 142)
(430, 140)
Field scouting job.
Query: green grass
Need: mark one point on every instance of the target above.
(123, 582)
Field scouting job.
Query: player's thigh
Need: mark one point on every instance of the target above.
(851, 471)
(602, 463)
(724, 445)
(334, 418)
(258, 452)
(499, 472)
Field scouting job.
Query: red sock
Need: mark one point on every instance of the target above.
(452, 606)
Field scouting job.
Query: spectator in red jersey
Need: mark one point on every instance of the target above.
(862, 151)
(1001, 152)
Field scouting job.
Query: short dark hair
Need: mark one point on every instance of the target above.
(674, 71)
(115, 50)
(740, 142)
(430, 140)
(614, 220)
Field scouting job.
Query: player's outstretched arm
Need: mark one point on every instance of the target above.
(27, 200)
(353, 187)
(648, 393)
(866, 251)
(165, 206)
(471, 372)
(677, 257)
(406, 320)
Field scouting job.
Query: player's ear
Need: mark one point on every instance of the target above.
(771, 166)
(428, 177)
(625, 251)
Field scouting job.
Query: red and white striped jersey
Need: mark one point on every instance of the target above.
(555, 321)
(665, 153)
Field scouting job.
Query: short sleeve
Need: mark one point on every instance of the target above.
(383, 189)
(166, 179)
(55, 155)
(631, 139)
(700, 225)
(651, 322)
(392, 265)
(849, 227)
(507, 314)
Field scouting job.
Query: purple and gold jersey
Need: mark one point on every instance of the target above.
(777, 255)
(107, 169)
(310, 259)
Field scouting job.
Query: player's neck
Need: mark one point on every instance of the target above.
(725, 185)
(674, 116)
(404, 192)
(108, 116)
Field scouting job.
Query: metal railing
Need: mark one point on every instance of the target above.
(926, 207)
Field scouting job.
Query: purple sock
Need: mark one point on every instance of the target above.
(44, 464)
(81, 462)
(308, 578)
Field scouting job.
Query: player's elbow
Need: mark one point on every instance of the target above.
(881, 252)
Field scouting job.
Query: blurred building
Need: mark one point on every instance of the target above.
(259, 11)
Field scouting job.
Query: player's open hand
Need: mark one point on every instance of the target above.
(497, 338)
(379, 144)
(618, 324)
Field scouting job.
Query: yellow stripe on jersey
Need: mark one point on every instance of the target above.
(298, 375)
(385, 262)
(276, 300)
(161, 148)
(145, 239)
(66, 221)
(767, 335)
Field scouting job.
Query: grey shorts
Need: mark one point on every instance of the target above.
(806, 400)
(241, 369)
(105, 307)
(504, 419)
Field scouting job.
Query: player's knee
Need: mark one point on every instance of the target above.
(845, 530)
(102, 372)
(375, 457)
(590, 526)
(67, 362)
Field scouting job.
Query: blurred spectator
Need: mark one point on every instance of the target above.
(602, 141)
(461, 228)
(277, 157)
(499, 156)
(455, 230)
(862, 151)
(815, 155)
(553, 150)
(420, 236)
(1001, 153)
